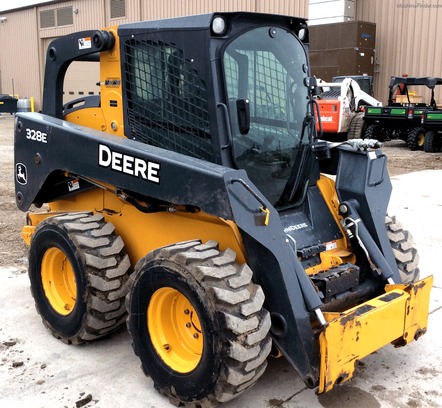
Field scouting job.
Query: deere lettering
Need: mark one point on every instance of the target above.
(124, 163)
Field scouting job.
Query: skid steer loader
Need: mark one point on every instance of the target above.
(187, 198)
(341, 109)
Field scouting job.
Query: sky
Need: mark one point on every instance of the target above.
(8, 4)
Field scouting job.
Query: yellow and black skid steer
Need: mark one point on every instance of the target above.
(192, 199)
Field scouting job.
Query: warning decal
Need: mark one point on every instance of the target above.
(84, 43)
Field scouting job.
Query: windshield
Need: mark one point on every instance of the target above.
(267, 66)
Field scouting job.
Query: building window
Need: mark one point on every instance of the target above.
(56, 17)
(65, 16)
(47, 19)
(118, 8)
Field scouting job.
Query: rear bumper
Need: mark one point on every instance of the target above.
(398, 316)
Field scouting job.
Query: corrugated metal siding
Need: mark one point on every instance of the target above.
(81, 77)
(19, 57)
(91, 14)
(48, 32)
(408, 39)
(289, 7)
(133, 13)
(156, 9)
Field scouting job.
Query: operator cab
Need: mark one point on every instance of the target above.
(244, 109)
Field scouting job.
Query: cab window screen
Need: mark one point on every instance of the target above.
(167, 101)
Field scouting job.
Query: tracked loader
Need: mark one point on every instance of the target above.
(193, 199)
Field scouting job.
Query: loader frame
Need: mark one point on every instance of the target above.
(76, 168)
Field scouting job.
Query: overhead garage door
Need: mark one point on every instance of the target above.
(81, 80)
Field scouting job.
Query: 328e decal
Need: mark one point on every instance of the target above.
(36, 135)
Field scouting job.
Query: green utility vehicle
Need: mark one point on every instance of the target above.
(432, 122)
(402, 118)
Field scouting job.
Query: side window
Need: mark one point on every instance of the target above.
(261, 78)
(167, 100)
(266, 66)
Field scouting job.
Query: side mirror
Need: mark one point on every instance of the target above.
(243, 113)
(312, 84)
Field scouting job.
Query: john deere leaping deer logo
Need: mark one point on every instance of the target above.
(21, 174)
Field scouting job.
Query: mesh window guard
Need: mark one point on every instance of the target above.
(266, 86)
(277, 101)
(167, 101)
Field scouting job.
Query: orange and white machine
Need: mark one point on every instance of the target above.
(339, 104)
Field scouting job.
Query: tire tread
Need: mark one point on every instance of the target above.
(106, 266)
(407, 256)
(238, 303)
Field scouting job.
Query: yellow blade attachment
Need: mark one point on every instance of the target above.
(398, 316)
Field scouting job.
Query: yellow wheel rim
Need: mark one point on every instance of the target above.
(421, 139)
(58, 279)
(175, 330)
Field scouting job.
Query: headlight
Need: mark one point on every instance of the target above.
(302, 33)
(219, 25)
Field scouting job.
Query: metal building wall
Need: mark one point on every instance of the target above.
(156, 9)
(81, 77)
(19, 54)
(297, 8)
(133, 11)
(408, 39)
(24, 42)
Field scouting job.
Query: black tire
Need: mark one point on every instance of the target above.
(356, 126)
(371, 131)
(374, 131)
(416, 138)
(78, 271)
(231, 325)
(407, 256)
(433, 142)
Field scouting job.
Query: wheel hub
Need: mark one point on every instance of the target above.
(175, 329)
(58, 280)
